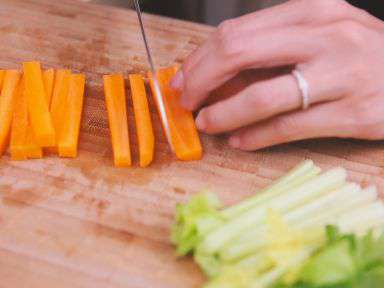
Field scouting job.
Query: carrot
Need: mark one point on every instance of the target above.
(58, 102)
(184, 136)
(2, 73)
(40, 117)
(144, 129)
(115, 98)
(23, 141)
(33, 150)
(19, 125)
(69, 135)
(7, 101)
(49, 78)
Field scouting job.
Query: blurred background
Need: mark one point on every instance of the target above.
(204, 11)
(215, 11)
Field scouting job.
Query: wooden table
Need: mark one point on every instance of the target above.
(83, 223)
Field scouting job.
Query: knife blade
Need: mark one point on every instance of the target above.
(158, 94)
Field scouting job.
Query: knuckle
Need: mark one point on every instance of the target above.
(359, 73)
(337, 9)
(225, 39)
(353, 32)
(326, 7)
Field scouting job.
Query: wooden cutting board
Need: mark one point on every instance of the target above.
(83, 223)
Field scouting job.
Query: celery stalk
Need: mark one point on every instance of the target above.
(333, 212)
(315, 214)
(259, 262)
(270, 277)
(297, 176)
(314, 208)
(298, 196)
(364, 217)
(359, 222)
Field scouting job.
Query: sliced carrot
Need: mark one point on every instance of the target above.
(114, 88)
(2, 73)
(7, 101)
(23, 144)
(33, 150)
(144, 129)
(40, 117)
(69, 135)
(19, 125)
(49, 78)
(184, 136)
(59, 100)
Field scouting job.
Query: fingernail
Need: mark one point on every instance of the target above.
(177, 81)
(234, 142)
(201, 123)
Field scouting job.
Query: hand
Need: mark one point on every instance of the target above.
(338, 48)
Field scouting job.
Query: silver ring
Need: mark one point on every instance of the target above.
(303, 87)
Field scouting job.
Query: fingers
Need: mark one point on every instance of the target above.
(324, 120)
(235, 52)
(268, 98)
(243, 80)
(258, 101)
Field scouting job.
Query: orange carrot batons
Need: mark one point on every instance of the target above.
(33, 150)
(40, 117)
(49, 79)
(69, 135)
(115, 97)
(59, 100)
(2, 73)
(23, 144)
(19, 125)
(144, 128)
(7, 102)
(185, 138)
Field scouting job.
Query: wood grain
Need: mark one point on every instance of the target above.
(83, 223)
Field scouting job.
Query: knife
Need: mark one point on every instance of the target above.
(158, 94)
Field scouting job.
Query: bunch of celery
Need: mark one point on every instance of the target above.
(267, 239)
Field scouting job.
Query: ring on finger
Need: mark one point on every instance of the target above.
(303, 87)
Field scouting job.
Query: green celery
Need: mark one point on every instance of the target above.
(191, 217)
(312, 209)
(297, 176)
(298, 196)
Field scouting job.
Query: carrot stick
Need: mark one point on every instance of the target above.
(184, 136)
(2, 73)
(19, 125)
(7, 101)
(49, 78)
(33, 150)
(115, 98)
(40, 117)
(23, 141)
(69, 135)
(144, 129)
(59, 100)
